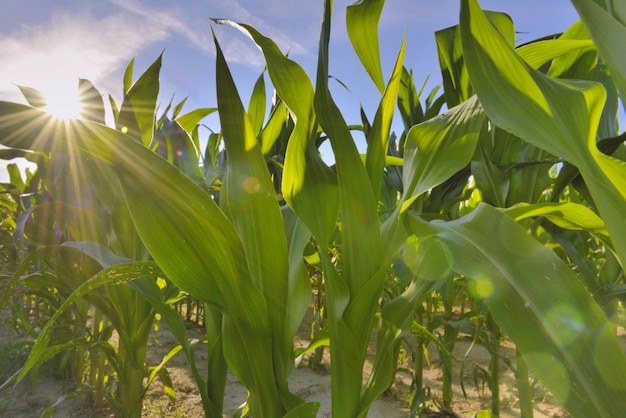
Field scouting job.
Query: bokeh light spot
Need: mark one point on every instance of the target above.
(251, 185)
(482, 287)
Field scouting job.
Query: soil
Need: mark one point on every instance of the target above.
(306, 382)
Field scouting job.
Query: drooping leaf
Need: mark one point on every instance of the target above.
(540, 303)
(567, 215)
(439, 147)
(250, 202)
(309, 185)
(557, 115)
(607, 27)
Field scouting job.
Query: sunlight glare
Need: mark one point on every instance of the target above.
(63, 102)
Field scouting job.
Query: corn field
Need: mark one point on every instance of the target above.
(497, 214)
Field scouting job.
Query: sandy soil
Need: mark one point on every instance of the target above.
(312, 385)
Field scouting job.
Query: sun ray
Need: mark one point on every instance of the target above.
(63, 103)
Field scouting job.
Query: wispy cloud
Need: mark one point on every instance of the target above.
(72, 45)
(241, 52)
(173, 20)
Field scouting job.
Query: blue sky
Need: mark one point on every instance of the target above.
(48, 45)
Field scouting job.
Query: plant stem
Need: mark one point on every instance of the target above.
(525, 392)
(494, 365)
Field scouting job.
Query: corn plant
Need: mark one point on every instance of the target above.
(510, 116)
(73, 247)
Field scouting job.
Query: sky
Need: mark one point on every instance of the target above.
(48, 45)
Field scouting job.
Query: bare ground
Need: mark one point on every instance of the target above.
(309, 384)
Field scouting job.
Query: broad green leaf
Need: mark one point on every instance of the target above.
(176, 234)
(128, 76)
(378, 137)
(34, 97)
(456, 83)
(607, 27)
(362, 19)
(439, 147)
(305, 410)
(298, 237)
(117, 274)
(105, 257)
(567, 215)
(92, 104)
(188, 121)
(409, 101)
(257, 105)
(309, 185)
(490, 179)
(274, 127)
(542, 305)
(352, 294)
(251, 204)
(150, 291)
(559, 116)
(137, 112)
(538, 53)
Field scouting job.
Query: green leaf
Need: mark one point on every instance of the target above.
(557, 115)
(117, 274)
(456, 83)
(305, 410)
(566, 215)
(188, 121)
(257, 104)
(309, 185)
(249, 199)
(378, 137)
(362, 19)
(273, 129)
(34, 97)
(439, 147)
(541, 304)
(137, 112)
(607, 27)
(92, 105)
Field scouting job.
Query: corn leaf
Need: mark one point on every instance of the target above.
(188, 121)
(607, 27)
(257, 104)
(439, 147)
(136, 114)
(456, 83)
(309, 185)
(541, 304)
(559, 116)
(567, 215)
(190, 238)
(92, 105)
(117, 274)
(378, 137)
(362, 19)
(250, 201)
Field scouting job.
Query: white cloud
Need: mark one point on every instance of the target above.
(234, 10)
(72, 45)
(171, 20)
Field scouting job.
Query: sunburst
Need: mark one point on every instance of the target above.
(62, 103)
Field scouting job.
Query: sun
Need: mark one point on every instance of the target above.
(63, 103)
